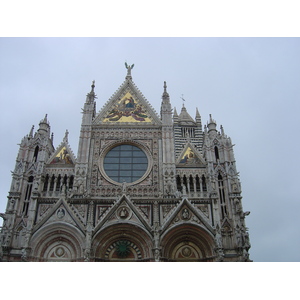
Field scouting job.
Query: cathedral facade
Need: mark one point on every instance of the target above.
(143, 187)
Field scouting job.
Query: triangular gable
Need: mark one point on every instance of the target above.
(60, 212)
(190, 157)
(63, 155)
(186, 212)
(123, 211)
(127, 105)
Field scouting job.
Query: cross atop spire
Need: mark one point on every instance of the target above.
(182, 100)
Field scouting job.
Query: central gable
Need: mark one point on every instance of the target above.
(128, 109)
(128, 106)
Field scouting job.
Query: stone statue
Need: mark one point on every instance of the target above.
(177, 194)
(245, 255)
(123, 213)
(24, 254)
(185, 214)
(124, 187)
(156, 254)
(129, 68)
(220, 255)
(218, 239)
(11, 204)
(183, 190)
(87, 255)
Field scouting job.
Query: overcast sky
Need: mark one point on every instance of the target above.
(249, 85)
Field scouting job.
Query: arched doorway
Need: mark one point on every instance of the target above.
(187, 243)
(59, 243)
(122, 242)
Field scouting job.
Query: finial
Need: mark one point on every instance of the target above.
(66, 136)
(90, 97)
(129, 68)
(182, 100)
(165, 94)
(222, 130)
(175, 112)
(44, 124)
(93, 85)
(31, 131)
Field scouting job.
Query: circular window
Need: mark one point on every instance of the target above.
(125, 163)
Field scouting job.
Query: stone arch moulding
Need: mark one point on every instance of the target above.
(123, 242)
(187, 243)
(61, 242)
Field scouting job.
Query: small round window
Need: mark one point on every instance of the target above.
(125, 163)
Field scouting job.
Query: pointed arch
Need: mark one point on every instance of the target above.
(58, 183)
(216, 149)
(46, 183)
(36, 153)
(222, 195)
(203, 181)
(51, 188)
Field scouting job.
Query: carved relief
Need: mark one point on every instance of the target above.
(165, 210)
(43, 208)
(146, 211)
(204, 209)
(81, 209)
(101, 210)
(60, 213)
(124, 213)
(185, 214)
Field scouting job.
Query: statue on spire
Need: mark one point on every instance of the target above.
(93, 86)
(66, 136)
(129, 68)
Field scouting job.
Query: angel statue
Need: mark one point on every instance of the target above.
(129, 68)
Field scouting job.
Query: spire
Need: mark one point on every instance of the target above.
(212, 125)
(211, 120)
(198, 119)
(44, 125)
(184, 117)
(222, 130)
(45, 119)
(129, 68)
(31, 131)
(91, 96)
(197, 113)
(66, 136)
(93, 86)
(175, 116)
(175, 112)
(166, 108)
(165, 93)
